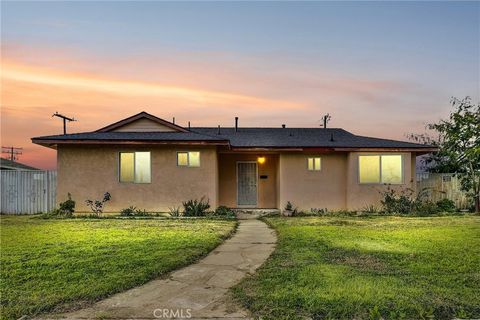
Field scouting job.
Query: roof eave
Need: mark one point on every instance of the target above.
(52, 143)
(426, 149)
(337, 149)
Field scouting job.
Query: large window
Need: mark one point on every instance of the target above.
(314, 163)
(135, 167)
(188, 159)
(380, 169)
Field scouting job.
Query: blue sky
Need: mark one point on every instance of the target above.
(380, 68)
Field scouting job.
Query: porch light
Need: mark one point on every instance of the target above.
(261, 160)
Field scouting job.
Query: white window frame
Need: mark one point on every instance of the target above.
(314, 168)
(188, 159)
(380, 168)
(134, 167)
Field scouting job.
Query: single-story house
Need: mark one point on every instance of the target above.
(155, 164)
(7, 164)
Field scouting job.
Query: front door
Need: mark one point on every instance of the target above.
(247, 184)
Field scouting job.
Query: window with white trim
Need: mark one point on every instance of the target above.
(314, 163)
(188, 158)
(135, 167)
(380, 169)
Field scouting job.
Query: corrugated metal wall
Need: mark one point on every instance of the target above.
(28, 192)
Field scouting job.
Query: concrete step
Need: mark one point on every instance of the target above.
(245, 213)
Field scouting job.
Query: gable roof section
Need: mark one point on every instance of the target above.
(138, 116)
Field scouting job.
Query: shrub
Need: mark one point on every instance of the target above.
(319, 211)
(174, 212)
(424, 208)
(67, 207)
(290, 210)
(403, 203)
(141, 213)
(134, 212)
(224, 212)
(97, 206)
(394, 202)
(128, 212)
(446, 205)
(289, 206)
(195, 208)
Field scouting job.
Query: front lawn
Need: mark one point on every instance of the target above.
(52, 264)
(367, 268)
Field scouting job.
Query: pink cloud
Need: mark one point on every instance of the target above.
(207, 89)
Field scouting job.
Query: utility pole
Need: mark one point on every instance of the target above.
(65, 119)
(325, 119)
(13, 152)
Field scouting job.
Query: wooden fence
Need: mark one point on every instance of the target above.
(27, 192)
(442, 186)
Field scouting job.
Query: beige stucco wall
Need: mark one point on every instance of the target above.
(361, 195)
(336, 186)
(87, 172)
(313, 189)
(227, 173)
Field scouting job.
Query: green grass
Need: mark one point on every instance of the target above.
(367, 268)
(57, 264)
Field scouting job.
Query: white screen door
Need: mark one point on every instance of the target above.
(247, 183)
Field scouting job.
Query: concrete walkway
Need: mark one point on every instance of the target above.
(199, 290)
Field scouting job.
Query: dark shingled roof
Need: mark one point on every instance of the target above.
(301, 137)
(7, 164)
(247, 138)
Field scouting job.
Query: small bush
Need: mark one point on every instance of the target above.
(319, 211)
(134, 212)
(290, 210)
(128, 212)
(394, 202)
(67, 207)
(141, 213)
(195, 208)
(403, 202)
(446, 205)
(174, 212)
(97, 206)
(424, 208)
(224, 212)
(289, 206)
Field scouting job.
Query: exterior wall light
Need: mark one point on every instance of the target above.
(261, 160)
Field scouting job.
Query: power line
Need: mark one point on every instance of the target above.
(14, 152)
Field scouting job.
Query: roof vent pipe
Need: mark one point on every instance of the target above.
(173, 120)
(283, 126)
(218, 132)
(236, 124)
(331, 137)
(188, 125)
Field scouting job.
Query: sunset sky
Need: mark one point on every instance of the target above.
(379, 69)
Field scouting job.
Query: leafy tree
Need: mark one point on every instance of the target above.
(458, 140)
